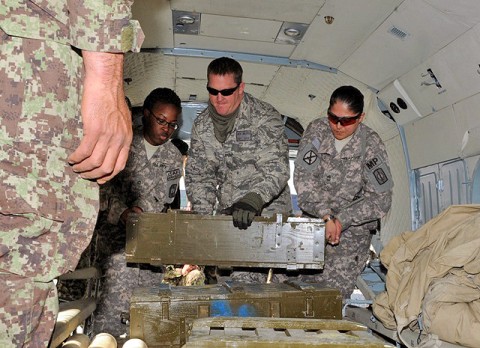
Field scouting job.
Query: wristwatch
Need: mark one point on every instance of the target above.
(328, 218)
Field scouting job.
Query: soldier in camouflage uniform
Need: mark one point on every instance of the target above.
(238, 159)
(49, 52)
(148, 183)
(342, 176)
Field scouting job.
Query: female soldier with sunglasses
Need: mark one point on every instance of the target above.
(342, 176)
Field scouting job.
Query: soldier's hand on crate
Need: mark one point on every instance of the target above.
(243, 216)
(333, 229)
(245, 209)
(126, 213)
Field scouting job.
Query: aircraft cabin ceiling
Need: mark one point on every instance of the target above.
(368, 43)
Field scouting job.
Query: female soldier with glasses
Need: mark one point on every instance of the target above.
(148, 183)
(342, 176)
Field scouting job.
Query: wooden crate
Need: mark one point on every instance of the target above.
(280, 333)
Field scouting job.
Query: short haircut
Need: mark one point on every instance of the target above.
(350, 96)
(162, 96)
(225, 66)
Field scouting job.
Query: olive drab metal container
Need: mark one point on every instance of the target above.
(179, 237)
(280, 333)
(162, 316)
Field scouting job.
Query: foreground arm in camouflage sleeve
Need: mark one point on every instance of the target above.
(200, 176)
(308, 200)
(377, 199)
(271, 158)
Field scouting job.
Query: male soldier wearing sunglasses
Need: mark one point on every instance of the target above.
(238, 161)
(342, 176)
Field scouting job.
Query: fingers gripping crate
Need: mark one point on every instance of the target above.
(162, 316)
(280, 333)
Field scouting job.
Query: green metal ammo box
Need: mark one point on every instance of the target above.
(162, 316)
(179, 237)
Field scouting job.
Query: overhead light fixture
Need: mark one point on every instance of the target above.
(291, 33)
(186, 22)
(186, 19)
(329, 19)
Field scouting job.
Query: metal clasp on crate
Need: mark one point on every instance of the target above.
(278, 231)
(318, 242)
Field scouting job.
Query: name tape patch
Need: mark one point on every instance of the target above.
(245, 135)
(173, 174)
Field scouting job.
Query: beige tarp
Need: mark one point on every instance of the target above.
(435, 272)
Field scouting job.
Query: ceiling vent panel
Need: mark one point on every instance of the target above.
(398, 33)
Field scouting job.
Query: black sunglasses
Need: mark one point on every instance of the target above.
(224, 92)
(344, 121)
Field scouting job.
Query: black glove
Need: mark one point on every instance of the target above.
(245, 209)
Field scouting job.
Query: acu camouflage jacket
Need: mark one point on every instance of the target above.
(355, 185)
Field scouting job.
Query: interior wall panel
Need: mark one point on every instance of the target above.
(300, 11)
(147, 71)
(432, 139)
(467, 115)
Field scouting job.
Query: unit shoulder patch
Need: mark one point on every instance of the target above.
(378, 174)
(308, 158)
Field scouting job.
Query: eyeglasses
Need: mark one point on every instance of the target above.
(344, 121)
(224, 92)
(162, 122)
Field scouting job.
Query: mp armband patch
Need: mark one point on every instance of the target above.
(378, 174)
(308, 158)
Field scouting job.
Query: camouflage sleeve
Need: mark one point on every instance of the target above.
(200, 176)
(377, 191)
(91, 25)
(103, 26)
(308, 200)
(271, 158)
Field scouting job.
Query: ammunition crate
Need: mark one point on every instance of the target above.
(162, 316)
(280, 333)
(179, 237)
